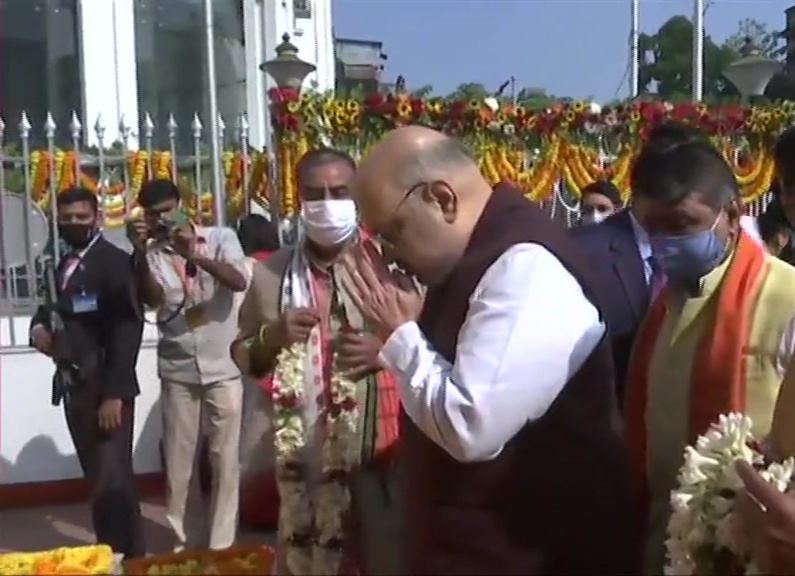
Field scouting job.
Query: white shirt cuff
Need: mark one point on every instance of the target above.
(396, 354)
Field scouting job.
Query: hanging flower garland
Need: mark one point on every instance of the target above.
(58, 172)
(534, 149)
(311, 521)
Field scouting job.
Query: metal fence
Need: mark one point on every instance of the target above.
(31, 178)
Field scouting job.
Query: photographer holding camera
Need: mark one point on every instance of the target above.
(190, 274)
(91, 327)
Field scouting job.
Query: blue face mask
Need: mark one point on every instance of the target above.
(687, 258)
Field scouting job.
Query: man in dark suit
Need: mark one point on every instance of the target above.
(626, 273)
(621, 254)
(93, 330)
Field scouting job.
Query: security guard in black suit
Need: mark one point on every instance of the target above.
(92, 329)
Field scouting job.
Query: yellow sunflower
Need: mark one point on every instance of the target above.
(404, 109)
(340, 118)
(571, 115)
(635, 116)
(434, 107)
(578, 107)
(340, 107)
(352, 106)
(293, 107)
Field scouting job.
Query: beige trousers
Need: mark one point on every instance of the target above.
(185, 408)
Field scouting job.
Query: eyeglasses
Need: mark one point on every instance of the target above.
(396, 209)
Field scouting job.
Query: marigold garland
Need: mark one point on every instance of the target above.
(57, 172)
(565, 138)
(533, 149)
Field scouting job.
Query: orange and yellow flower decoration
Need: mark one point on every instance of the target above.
(58, 172)
(61, 561)
(235, 561)
(533, 149)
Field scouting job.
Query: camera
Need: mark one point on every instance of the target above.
(165, 226)
(162, 229)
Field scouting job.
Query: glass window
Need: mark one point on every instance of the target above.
(40, 65)
(172, 65)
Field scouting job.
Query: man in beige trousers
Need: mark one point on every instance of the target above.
(191, 275)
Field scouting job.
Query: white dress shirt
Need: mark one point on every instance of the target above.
(644, 247)
(529, 329)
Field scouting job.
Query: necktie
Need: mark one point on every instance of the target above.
(657, 280)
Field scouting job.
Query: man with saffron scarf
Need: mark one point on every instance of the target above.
(296, 297)
(718, 338)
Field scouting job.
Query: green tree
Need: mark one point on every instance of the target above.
(534, 98)
(666, 63)
(425, 91)
(768, 42)
(469, 91)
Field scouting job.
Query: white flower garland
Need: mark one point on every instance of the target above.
(703, 526)
(311, 521)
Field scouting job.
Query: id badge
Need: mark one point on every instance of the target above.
(83, 303)
(195, 317)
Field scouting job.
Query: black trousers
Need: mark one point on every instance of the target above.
(106, 460)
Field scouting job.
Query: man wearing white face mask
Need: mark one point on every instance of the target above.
(297, 297)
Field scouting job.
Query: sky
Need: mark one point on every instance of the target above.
(575, 48)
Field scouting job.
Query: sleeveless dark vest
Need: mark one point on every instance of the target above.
(556, 500)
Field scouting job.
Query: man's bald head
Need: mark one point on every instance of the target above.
(415, 154)
(422, 191)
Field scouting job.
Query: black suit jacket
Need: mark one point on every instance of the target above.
(105, 343)
(612, 249)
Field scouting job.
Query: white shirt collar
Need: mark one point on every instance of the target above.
(641, 238)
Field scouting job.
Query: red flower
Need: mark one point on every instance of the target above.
(278, 95)
(374, 100)
(456, 109)
(347, 405)
(288, 401)
(652, 111)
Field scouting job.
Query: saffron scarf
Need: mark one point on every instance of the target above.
(717, 380)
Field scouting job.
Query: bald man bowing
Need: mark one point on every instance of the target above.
(512, 453)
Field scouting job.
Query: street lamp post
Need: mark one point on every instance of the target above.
(288, 71)
(752, 72)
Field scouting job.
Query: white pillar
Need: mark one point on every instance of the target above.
(698, 50)
(634, 55)
(108, 68)
(255, 81)
(325, 41)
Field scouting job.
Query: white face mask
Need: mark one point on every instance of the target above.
(593, 218)
(329, 222)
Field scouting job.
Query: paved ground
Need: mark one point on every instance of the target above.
(32, 529)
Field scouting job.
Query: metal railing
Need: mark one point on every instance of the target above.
(30, 180)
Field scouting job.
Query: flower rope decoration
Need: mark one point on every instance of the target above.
(704, 534)
(311, 517)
